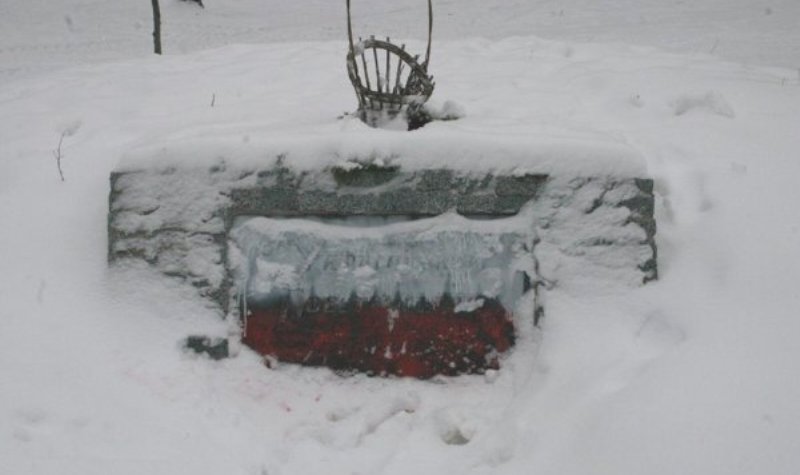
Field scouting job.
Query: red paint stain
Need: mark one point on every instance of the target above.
(420, 341)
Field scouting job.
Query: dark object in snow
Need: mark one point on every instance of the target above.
(400, 84)
(199, 2)
(215, 348)
(156, 27)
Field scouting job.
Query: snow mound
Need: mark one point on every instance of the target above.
(693, 374)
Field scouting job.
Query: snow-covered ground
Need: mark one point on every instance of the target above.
(696, 373)
(40, 35)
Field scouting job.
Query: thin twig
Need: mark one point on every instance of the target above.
(57, 155)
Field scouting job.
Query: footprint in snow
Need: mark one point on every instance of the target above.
(456, 426)
(711, 101)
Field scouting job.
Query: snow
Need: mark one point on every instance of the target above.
(261, 116)
(571, 152)
(695, 373)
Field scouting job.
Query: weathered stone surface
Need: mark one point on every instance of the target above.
(178, 219)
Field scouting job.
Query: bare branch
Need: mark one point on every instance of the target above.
(156, 27)
(57, 155)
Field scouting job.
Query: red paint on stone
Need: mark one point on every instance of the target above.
(419, 341)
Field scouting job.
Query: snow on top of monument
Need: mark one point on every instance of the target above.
(559, 154)
(507, 126)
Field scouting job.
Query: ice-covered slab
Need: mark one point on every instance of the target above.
(407, 261)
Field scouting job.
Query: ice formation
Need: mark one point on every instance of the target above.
(423, 260)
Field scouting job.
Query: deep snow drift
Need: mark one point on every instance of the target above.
(695, 373)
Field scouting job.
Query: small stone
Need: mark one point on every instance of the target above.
(215, 348)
